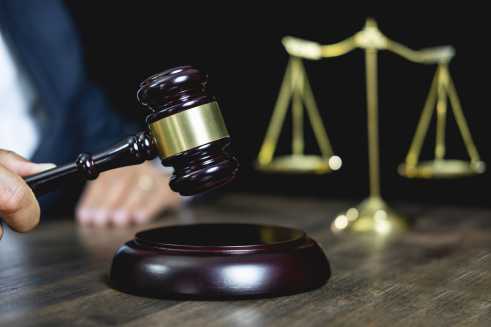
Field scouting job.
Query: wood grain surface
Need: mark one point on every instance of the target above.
(439, 274)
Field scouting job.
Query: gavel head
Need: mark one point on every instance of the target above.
(188, 130)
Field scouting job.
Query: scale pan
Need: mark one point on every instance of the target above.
(303, 164)
(442, 169)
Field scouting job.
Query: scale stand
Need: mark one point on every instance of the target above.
(372, 214)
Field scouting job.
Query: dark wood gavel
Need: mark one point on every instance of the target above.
(185, 128)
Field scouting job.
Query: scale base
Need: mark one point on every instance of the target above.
(442, 169)
(302, 164)
(218, 262)
(373, 216)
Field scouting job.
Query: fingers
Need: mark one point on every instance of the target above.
(18, 206)
(148, 208)
(142, 205)
(129, 195)
(125, 213)
(20, 166)
(104, 196)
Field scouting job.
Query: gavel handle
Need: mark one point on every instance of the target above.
(134, 150)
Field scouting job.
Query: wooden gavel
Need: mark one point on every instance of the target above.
(185, 128)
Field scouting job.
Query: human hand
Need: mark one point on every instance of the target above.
(123, 196)
(18, 206)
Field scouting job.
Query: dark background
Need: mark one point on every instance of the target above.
(239, 47)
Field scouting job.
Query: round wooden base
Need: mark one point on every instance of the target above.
(219, 261)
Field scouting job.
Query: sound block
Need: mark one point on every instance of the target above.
(219, 261)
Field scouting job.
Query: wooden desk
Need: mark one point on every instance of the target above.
(437, 275)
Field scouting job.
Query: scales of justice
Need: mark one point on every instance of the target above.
(373, 214)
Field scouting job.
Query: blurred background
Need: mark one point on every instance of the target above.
(239, 47)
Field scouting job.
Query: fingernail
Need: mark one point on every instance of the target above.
(100, 217)
(87, 216)
(45, 166)
(120, 217)
(139, 217)
(83, 215)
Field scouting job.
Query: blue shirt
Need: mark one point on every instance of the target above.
(75, 117)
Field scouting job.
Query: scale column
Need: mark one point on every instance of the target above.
(297, 109)
(441, 113)
(372, 121)
(373, 214)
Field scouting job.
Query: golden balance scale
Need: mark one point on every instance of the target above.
(373, 214)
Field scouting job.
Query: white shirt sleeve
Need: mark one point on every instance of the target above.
(18, 130)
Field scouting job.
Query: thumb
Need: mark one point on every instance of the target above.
(18, 205)
(17, 164)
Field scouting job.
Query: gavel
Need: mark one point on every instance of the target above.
(185, 128)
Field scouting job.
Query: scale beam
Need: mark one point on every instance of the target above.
(370, 37)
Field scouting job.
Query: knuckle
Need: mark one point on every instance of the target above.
(7, 153)
(7, 156)
(26, 227)
(12, 199)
